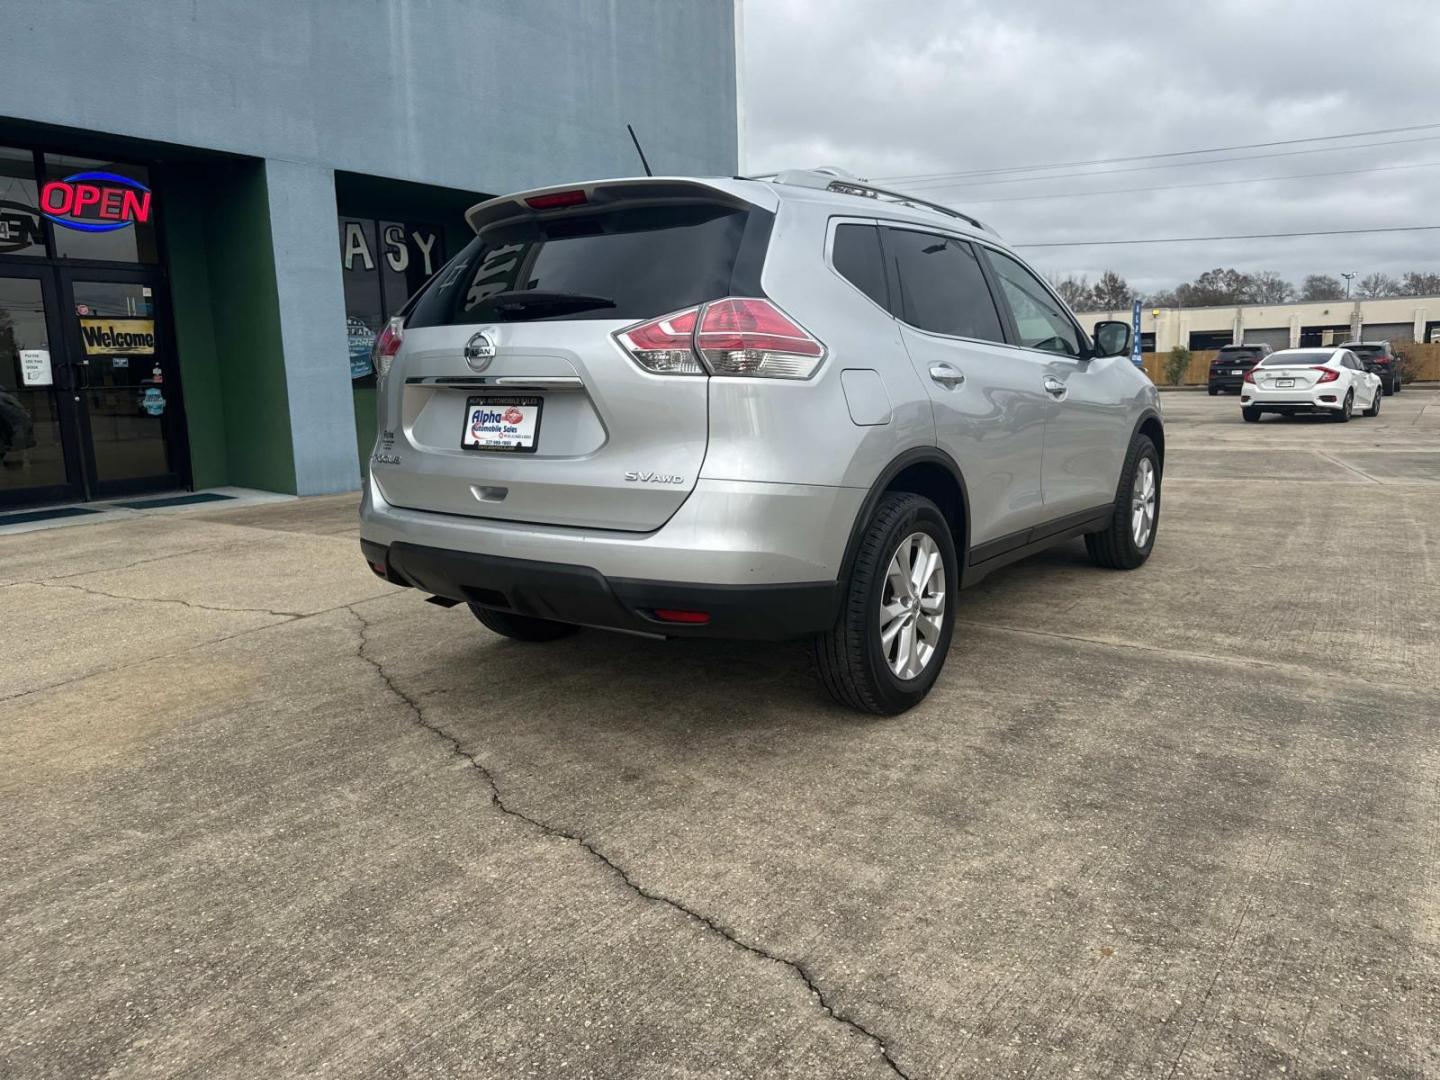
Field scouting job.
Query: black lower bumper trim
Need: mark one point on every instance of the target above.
(582, 595)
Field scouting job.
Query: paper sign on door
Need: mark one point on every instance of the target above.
(35, 367)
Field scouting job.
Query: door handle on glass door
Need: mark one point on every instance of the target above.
(1054, 386)
(947, 375)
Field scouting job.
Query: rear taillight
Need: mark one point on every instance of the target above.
(387, 345)
(737, 336)
(1327, 374)
(1380, 360)
(1249, 376)
(748, 336)
(665, 345)
(675, 615)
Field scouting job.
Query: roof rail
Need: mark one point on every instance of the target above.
(829, 178)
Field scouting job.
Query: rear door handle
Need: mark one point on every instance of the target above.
(1054, 387)
(947, 375)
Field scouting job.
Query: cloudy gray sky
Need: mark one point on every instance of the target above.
(900, 88)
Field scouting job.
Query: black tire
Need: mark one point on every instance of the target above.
(1397, 384)
(1374, 409)
(521, 627)
(1342, 414)
(1213, 390)
(1114, 546)
(1250, 416)
(849, 658)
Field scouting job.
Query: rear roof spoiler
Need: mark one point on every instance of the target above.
(599, 193)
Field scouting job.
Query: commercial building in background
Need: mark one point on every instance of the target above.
(207, 211)
(1285, 326)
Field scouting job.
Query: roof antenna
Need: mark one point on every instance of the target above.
(636, 141)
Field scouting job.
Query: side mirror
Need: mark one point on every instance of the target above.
(1112, 338)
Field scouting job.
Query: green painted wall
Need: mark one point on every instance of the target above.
(365, 424)
(247, 330)
(190, 300)
(227, 325)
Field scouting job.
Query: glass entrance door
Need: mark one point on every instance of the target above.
(125, 380)
(40, 455)
(89, 389)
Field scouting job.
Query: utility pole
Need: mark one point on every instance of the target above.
(1347, 278)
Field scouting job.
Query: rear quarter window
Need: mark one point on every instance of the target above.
(631, 262)
(857, 257)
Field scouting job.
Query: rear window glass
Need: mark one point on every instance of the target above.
(1234, 352)
(627, 263)
(1297, 359)
(1366, 350)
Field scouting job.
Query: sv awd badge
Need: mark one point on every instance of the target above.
(654, 478)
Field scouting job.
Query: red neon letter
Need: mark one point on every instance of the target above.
(110, 200)
(135, 206)
(85, 195)
(48, 197)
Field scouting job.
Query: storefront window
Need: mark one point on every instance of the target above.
(20, 223)
(100, 209)
(382, 264)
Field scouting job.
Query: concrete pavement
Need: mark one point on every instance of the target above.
(263, 815)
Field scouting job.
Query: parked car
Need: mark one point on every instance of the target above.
(1330, 380)
(1227, 369)
(793, 408)
(1379, 358)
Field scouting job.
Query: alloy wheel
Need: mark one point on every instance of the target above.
(1142, 502)
(912, 605)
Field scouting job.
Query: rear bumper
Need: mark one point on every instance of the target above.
(1294, 401)
(583, 595)
(1226, 381)
(762, 559)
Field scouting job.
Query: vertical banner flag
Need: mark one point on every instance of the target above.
(1135, 335)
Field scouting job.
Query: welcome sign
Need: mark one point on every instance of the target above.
(118, 337)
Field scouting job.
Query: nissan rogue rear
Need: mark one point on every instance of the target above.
(798, 408)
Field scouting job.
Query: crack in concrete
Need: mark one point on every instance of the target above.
(165, 600)
(497, 800)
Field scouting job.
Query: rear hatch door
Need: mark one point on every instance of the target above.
(519, 327)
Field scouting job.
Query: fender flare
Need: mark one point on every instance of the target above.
(914, 456)
(1146, 414)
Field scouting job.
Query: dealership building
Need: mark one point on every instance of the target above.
(208, 211)
(1285, 326)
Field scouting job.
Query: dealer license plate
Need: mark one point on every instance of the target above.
(1284, 382)
(509, 423)
(1237, 371)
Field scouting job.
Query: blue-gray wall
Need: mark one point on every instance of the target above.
(475, 95)
(481, 95)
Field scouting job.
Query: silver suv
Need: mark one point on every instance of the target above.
(797, 408)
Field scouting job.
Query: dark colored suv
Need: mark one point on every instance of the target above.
(1379, 357)
(1227, 370)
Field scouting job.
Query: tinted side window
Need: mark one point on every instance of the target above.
(1039, 318)
(942, 288)
(857, 257)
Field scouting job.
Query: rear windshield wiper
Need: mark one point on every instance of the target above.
(540, 302)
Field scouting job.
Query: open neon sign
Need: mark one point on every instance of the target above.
(96, 202)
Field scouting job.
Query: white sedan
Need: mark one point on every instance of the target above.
(1330, 381)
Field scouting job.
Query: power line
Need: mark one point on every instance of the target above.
(1239, 236)
(1205, 183)
(929, 185)
(1153, 157)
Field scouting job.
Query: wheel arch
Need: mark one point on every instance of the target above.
(923, 470)
(1152, 426)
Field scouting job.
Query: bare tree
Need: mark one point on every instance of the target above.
(1112, 292)
(1420, 284)
(1270, 288)
(1075, 291)
(1321, 287)
(1374, 286)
